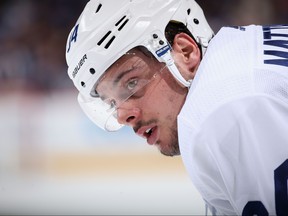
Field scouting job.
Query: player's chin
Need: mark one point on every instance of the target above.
(169, 151)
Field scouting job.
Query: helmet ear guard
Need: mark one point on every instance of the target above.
(161, 49)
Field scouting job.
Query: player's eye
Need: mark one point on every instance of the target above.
(132, 83)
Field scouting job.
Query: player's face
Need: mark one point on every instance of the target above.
(147, 98)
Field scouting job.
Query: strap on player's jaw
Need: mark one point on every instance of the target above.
(127, 78)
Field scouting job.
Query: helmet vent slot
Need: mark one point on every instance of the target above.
(120, 20)
(109, 42)
(108, 37)
(123, 23)
(104, 38)
(98, 8)
(122, 26)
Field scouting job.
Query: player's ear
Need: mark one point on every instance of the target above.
(186, 54)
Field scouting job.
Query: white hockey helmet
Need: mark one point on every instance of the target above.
(107, 29)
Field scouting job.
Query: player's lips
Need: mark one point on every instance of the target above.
(150, 133)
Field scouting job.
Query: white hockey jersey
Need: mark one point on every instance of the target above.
(233, 127)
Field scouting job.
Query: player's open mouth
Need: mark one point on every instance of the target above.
(149, 133)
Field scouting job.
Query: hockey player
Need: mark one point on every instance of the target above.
(221, 102)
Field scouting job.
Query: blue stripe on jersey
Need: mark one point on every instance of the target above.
(274, 40)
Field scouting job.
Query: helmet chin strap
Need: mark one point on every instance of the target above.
(167, 57)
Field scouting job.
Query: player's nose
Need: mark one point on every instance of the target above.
(128, 117)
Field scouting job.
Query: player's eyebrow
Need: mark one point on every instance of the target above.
(121, 75)
(117, 79)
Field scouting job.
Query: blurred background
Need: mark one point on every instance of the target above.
(53, 160)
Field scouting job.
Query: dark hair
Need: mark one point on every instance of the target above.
(173, 28)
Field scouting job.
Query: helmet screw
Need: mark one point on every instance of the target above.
(92, 70)
(155, 36)
(196, 21)
(161, 42)
(83, 84)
